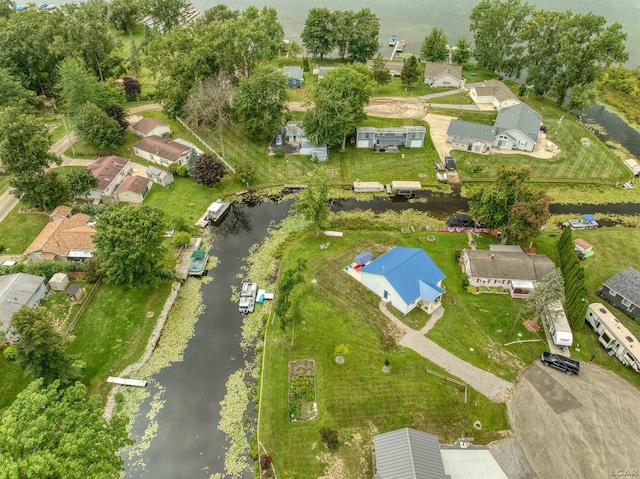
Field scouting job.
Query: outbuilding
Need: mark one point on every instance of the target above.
(74, 293)
(59, 282)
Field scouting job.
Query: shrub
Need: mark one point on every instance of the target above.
(178, 169)
(10, 353)
(341, 350)
(472, 289)
(330, 438)
(278, 153)
(181, 239)
(465, 281)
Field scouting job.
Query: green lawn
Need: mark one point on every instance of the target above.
(484, 117)
(20, 229)
(113, 331)
(575, 162)
(356, 398)
(13, 381)
(473, 73)
(461, 98)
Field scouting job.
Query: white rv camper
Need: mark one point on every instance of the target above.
(613, 335)
(558, 324)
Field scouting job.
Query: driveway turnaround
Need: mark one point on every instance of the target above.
(485, 383)
(585, 426)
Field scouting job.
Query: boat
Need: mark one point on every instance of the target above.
(216, 210)
(392, 41)
(400, 46)
(198, 262)
(588, 222)
(247, 297)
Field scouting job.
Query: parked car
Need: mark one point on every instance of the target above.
(450, 163)
(561, 363)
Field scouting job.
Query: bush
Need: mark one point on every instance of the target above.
(465, 281)
(330, 438)
(278, 153)
(472, 289)
(10, 353)
(178, 169)
(181, 239)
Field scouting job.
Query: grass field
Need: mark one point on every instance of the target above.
(355, 398)
(20, 229)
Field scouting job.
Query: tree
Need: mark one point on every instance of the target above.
(548, 290)
(435, 46)
(12, 93)
(41, 351)
(510, 205)
(338, 104)
(207, 170)
(381, 73)
(496, 25)
(119, 114)
(166, 14)
(42, 190)
(61, 434)
(134, 57)
(260, 101)
(81, 181)
(582, 97)
(317, 36)
(7, 7)
(246, 171)
(78, 85)
(191, 161)
(312, 203)
(124, 14)
(410, 74)
(129, 244)
(341, 30)
(210, 104)
(181, 239)
(363, 39)
(132, 88)
(96, 128)
(293, 49)
(461, 52)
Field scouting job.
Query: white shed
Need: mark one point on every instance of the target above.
(59, 282)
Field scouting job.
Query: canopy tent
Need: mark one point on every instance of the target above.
(363, 258)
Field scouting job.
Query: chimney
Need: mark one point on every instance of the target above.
(493, 257)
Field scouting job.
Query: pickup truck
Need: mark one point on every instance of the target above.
(247, 297)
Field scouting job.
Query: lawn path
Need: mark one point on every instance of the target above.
(496, 389)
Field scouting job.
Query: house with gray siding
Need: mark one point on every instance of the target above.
(296, 134)
(407, 136)
(18, 290)
(295, 76)
(623, 291)
(516, 128)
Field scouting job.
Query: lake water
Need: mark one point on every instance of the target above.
(412, 20)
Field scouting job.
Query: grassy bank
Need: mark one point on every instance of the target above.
(20, 229)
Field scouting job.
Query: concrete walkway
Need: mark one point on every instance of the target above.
(453, 106)
(496, 389)
(441, 94)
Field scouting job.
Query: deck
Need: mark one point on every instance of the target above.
(184, 261)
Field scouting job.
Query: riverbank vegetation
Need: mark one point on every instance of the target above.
(619, 89)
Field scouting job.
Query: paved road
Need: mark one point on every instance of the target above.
(485, 383)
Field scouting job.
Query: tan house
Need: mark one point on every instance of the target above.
(158, 150)
(134, 189)
(443, 75)
(60, 212)
(65, 239)
(395, 68)
(495, 93)
(110, 171)
(151, 126)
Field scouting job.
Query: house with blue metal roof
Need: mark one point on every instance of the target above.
(405, 278)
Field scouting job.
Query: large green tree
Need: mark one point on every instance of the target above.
(43, 189)
(166, 14)
(260, 101)
(410, 73)
(79, 85)
(495, 25)
(6, 8)
(434, 46)
(341, 30)
(13, 93)
(313, 201)
(338, 104)
(80, 182)
(381, 73)
(42, 349)
(124, 14)
(129, 244)
(53, 432)
(461, 52)
(317, 34)
(363, 41)
(95, 127)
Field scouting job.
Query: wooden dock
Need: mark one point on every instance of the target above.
(184, 260)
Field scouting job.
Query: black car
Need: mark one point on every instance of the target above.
(449, 163)
(561, 363)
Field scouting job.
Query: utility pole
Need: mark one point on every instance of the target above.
(68, 136)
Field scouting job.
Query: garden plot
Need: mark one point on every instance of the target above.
(302, 390)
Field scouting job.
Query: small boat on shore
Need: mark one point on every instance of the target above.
(393, 41)
(400, 46)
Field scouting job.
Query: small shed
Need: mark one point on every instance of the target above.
(158, 176)
(59, 282)
(581, 246)
(295, 76)
(75, 292)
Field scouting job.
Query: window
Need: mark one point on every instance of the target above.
(612, 293)
(626, 302)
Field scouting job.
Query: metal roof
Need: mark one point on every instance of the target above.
(471, 464)
(293, 72)
(520, 117)
(471, 131)
(626, 283)
(408, 454)
(16, 290)
(410, 271)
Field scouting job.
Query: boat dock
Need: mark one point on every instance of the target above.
(398, 47)
(184, 260)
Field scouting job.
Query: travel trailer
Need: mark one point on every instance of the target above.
(558, 324)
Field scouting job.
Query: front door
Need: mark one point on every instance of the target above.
(386, 295)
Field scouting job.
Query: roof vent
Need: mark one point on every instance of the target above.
(603, 311)
(630, 339)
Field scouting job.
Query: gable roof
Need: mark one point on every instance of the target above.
(293, 72)
(61, 210)
(105, 169)
(134, 184)
(157, 172)
(520, 117)
(408, 454)
(471, 131)
(61, 236)
(16, 290)
(508, 265)
(145, 125)
(389, 65)
(626, 283)
(496, 89)
(167, 149)
(410, 271)
(435, 70)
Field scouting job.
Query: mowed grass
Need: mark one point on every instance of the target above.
(575, 162)
(113, 331)
(20, 229)
(356, 397)
(13, 381)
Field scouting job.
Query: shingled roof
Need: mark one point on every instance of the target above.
(520, 117)
(471, 131)
(134, 184)
(60, 236)
(508, 265)
(496, 89)
(432, 69)
(626, 283)
(167, 149)
(105, 169)
(145, 125)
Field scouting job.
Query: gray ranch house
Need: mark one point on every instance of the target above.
(516, 128)
(623, 291)
(296, 134)
(407, 136)
(441, 75)
(295, 76)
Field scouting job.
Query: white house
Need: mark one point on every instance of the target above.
(441, 75)
(405, 278)
(151, 126)
(110, 172)
(494, 93)
(158, 150)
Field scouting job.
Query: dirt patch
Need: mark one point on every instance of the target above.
(395, 107)
(597, 436)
